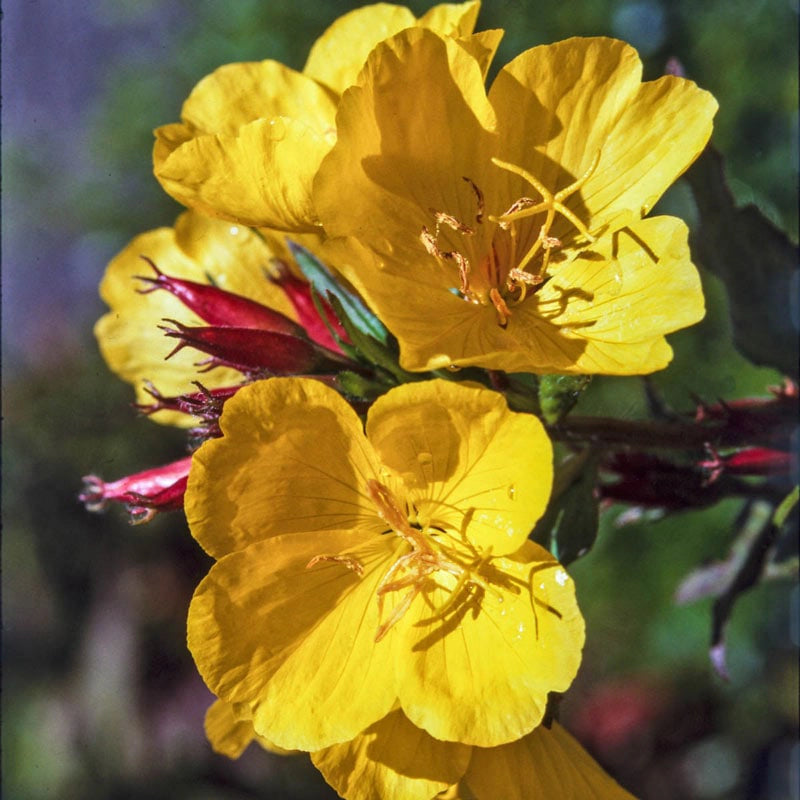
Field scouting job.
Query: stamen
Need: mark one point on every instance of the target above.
(389, 511)
(429, 242)
(347, 561)
(451, 222)
(503, 311)
(478, 197)
(415, 568)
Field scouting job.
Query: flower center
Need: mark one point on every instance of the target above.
(430, 550)
(503, 276)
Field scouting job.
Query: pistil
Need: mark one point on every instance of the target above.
(501, 280)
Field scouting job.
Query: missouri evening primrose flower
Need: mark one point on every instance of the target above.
(253, 134)
(358, 572)
(505, 230)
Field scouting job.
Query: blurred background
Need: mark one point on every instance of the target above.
(100, 697)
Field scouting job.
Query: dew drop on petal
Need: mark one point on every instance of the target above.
(561, 577)
(512, 491)
(424, 459)
(453, 368)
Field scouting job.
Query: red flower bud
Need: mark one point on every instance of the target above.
(218, 307)
(749, 461)
(205, 403)
(144, 493)
(299, 293)
(255, 352)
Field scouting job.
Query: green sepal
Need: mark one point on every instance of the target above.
(370, 350)
(559, 393)
(354, 385)
(324, 283)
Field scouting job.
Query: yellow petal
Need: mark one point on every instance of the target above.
(234, 258)
(227, 734)
(405, 152)
(294, 458)
(660, 133)
(482, 46)
(481, 674)
(451, 19)
(260, 176)
(558, 105)
(546, 763)
(230, 734)
(197, 249)
(337, 56)
(296, 644)
(468, 461)
(628, 290)
(289, 112)
(236, 94)
(392, 758)
(168, 138)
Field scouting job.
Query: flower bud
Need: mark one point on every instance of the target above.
(219, 307)
(144, 494)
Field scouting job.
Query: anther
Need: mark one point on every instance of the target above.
(351, 563)
(478, 197)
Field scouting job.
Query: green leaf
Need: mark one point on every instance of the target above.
(569, 526)
(559, 393)
(756, 261)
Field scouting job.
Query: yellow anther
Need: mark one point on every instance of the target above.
(351, 563)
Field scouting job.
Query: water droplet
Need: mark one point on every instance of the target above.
(234, 230)
(512, 491)
(454, 368)
(424, 459)
(561, 577)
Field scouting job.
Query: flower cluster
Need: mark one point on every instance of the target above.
(370, 243)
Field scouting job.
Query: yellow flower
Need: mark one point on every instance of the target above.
(253, 134)
(359, 572)
(505, 230)
(393, 758)
(197, 249)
